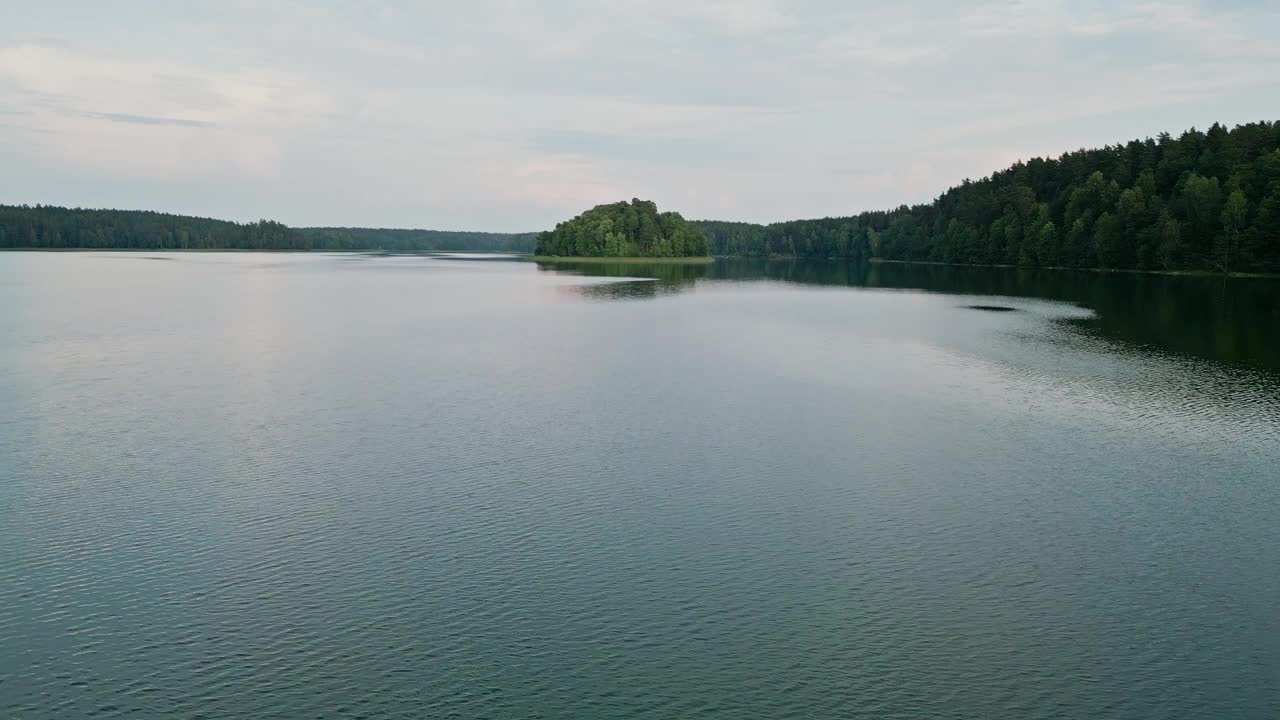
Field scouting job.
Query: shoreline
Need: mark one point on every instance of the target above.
(700, 260)
(703, 260)
(1056, 268)
(1132, 271)
(317, 251)
(172, 250)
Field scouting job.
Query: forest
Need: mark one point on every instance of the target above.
(622, 229)
(50, 227)
(1203, 201)
(417, 241)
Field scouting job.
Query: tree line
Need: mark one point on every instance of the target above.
(1205, 200)
(623, 229)
(51, 227)
(417, 241)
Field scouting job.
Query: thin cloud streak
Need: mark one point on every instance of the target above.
(147, 120)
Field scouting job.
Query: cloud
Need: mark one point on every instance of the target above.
(147, 119)
(117, 115)
(665, 150)
(739, 17)
(508, 114)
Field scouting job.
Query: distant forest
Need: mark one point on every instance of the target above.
(1205, 200)
(49, 227)
(414, 241)
(1201, 201)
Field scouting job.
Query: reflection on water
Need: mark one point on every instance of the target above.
(1231, 320)
(658, 278)
(992, 308)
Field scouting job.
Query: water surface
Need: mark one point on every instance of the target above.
(283, 486)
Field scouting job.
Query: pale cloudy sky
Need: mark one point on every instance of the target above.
(511, 115)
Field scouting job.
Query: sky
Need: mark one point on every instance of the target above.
(512, 115)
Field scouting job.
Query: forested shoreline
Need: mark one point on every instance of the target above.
(1203, 201)
(415, 241)
(622, 229)
(48, 227)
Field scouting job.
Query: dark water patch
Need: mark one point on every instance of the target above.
(1231, 320)
(991, 308)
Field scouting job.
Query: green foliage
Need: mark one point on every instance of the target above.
(1201, 201)
(46, 226)
(622, 229)
(416, 241)
(49, 227)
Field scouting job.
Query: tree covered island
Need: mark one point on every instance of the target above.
(624, 230)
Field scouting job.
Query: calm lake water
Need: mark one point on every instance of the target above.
(304, 486)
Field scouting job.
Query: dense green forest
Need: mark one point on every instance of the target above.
(1201, 201)
(46, 226)
(49, 227)
(416, 241)
(622, 229)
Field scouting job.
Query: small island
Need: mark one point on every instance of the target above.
(621, 231)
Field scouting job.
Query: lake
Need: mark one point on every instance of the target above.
(352, 486)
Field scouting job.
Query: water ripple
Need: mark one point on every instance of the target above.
(321, 488)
